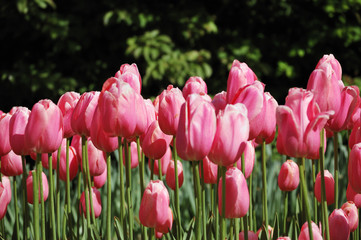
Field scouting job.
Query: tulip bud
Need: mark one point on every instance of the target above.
(67, 103)
(335, 65)
(130, 74)
(353, 196)
(251, 236)
(17, 127)
(288, 178)
(11, 164)
(351, 212)
(97, 203)
(164, 163)
(29, 187)
(3, 200)
(194, 85)
(329, 187)
(155, 143)
(338, 225)
(220, 101)
(305, 235)
(170, 175)
(354, 168)
(249, 158)
(210, 171)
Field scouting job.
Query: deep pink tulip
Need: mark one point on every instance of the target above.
(194, 85)
(219, 101)
(100, 180)
(164, 162)
(44, 131)
(336, 66)
(288, 178)
(133, 154)
(17, 127)
(353, 196)
(164, 228)
(45, 159)
(97, 203)
(76, 144)
(329, 187)
(7, 185)
(156, 104)
(170, 175)
(73, 162)
(151, 115)
(196, 129)
(67, 103)
(154, 208)
(299, 125)
(155, 142)
(231, 135)
(355, 136)
(158, 235)
(338, 225)
(269, 231)
(354, 168)
(237, 195)
(355, 116)
(251, 235)
(130, 74)
(351, 212)
(4, 134)
(210, 171)
(249, 158)
(11, 164)
(100, 138)
(3, 200)
(305, 235)
(239, 76)
(29, 187)
(83, 113)
(170, 102)
(97, 160)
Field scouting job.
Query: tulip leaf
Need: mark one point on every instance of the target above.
(264, 233)
(118, 229)
(276, 228)
(189, 232)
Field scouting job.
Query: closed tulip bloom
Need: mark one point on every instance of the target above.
(209, 170)
(355, 136)
(164, 163)
(249, 158)
(17, 127)
(299, 125)
(44, 131)
(196, 129)
(67, 103)
(100, 180)
(288, 178)
(11, 164)
(329, 187)
(219, 101)
(170, 175)
(239, 76)
(335, 65)
(351, 212)
(73, 162)
(133, 155)
(170, 103)
(237, 195)
(29, 187)
(194, 85)
(353, 196)
(76, 144)
(231, 135)
(355, 116)
(155, 142)
(3, 200)
(130, 74)
(7, 185)
(152, 114)
(251, 235)
(45, 159)
(97, 160)
(83, 113)
(354, 168)
(339, 225)
(164, 227)
(305, 235)
(265, 129)
(4, 134)
(97, 203)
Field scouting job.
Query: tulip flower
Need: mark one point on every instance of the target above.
(288, 178)
(97, 203)
(219, 101)
(6, 183)
(283, 238)
(170, 175)
(351, 213)
(249, 153)
(251, 236)
(44, 131)
(305, 235)
(29, 187)
(194, 85)
(209, 171)
(355, 136)
(299, 125)
(269, 231)
(170, 102)
(76, 143)
(231, 135)
(335, 65)
(196, 129)
(353, 196)
(155, 142)
(100, 180)
(4, 134)
(130, 74)
(339, 225)
(354, 168)
(237, 195)
(239, 76)
(11, 164)
(165, 159)
(17, 127)
(329, 187)
(151, 114)
(67, 103)
(73, 162)
(97, 160)
(3, 200)
(355, 116)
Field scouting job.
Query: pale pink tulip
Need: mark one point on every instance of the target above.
(17, 127)
(7, 185)
(130, 74)
(194, 85)
(251, 235)
(336, 66)
(100, 180)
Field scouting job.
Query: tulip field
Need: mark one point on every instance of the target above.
(186, 164)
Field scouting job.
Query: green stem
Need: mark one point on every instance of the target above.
(36, 197)
(250, 183)
(25, 203)
(151, 169)
(142, 184)
(245, 221)
(109, 198)
(315, 202)
(16, 209)
(160, 169)
(86, 190)
(129, 188)
(285, 213)
(215, 208)
(177, 207)
(68, 201)
(51, 197)
(236, 228)
(264, 181)
(121, 176)
(323, 189)
(58, 192)
(204, 209)
(40, 180)
(197, 186)
(78, 202)
(89, 184)
(305, 197)
(223, 212)
(231, 229)
(335, 150)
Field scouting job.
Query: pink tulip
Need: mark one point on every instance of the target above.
(73, 162)
(219, 101)
(196, 129)
(67, 103)
(3, 199)
(194, 85)
(231, 135)
(151, 115)
(100, 180)
(155, 143)
(353, 196)
(251, 236)
(237, 195)
(305, 235)
(83, 113)
(45, 159)
(4, 134)
(338, 225)
(209, 170)
(249, 159)
(299, 125)
(351, 213)
(170, 175)
(130, 74)
(336, 66)
(154, 208)
(29, 187)
(355, 136)
(355, 115)
(76, 144)
(164, 162)
(11, 164)
(7, 185)
(288, 178)
(158, 235)
(354, 168)
(239, 76)
(170, 102)
(167, 225)
(156, 104)
(283, 238)
(97, 203)
(133, 155)
(269, 231)
(97, 160)
(329, 187)
(17, 127)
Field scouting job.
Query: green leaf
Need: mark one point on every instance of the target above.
(118, 229)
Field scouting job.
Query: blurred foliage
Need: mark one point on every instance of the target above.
(50, 47)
